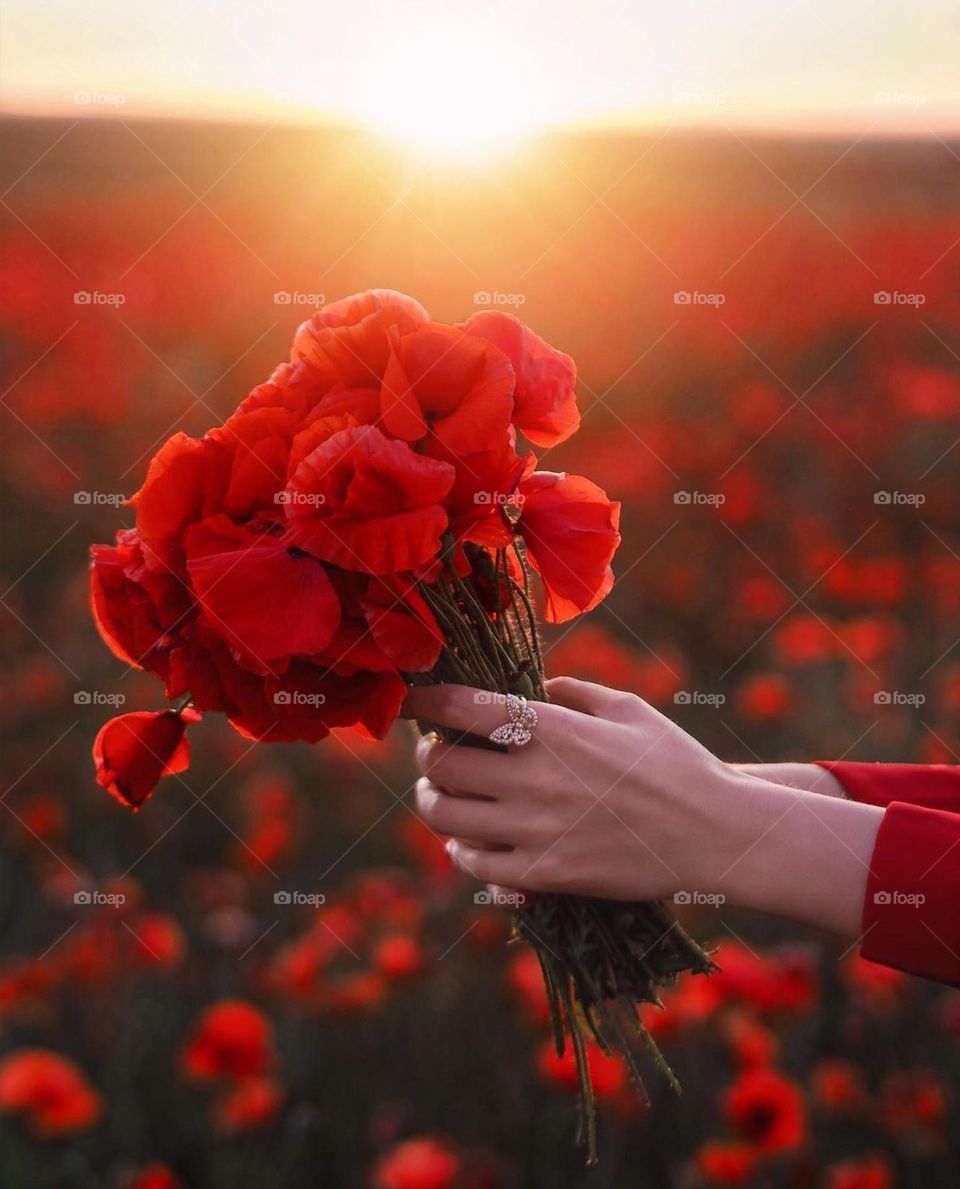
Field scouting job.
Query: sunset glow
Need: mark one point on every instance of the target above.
(457, 78)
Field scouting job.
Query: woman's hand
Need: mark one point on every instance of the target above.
(612, 799)
(609, 799)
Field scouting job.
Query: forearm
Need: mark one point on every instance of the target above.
(810, 777)
(799, 854)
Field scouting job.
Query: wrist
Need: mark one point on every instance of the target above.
(811, 777)
(799, 854)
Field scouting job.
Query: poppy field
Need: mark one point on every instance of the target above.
(271, 975)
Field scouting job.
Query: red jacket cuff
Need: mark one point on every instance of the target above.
(937, 786)
(911, 912)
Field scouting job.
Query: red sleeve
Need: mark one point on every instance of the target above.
(936, 786)
(911, 911)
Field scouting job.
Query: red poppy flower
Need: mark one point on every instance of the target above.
(729, 1163)
(364, 502)
(455, 387)
(155, 1176)
(133, 751)
(418, 1164)
(357, 992)
(870, 1172)
(572, 532)
(608, 1073)
(49, 1091)
(250, 1103)
(764, 696)
(231, 1039)
(134, 608)
(269, 602)
(768, 1110)
(347, 342)
(838, 1085)
(913, 1101)
(186, 481)
(750, 1042)
(545, 403)
(398, 957)
(158, 938)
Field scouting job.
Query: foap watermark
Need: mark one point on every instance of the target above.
(695, 97)
(96, 697)
(112, 499)
(893, 297)
(93, 297)
(687, 297)
(910, 499)
(311, 499)
(696, 697)
(295, 897)
(486, 297)
(297, 697)
(500, 498)
(710, 499)
(94, 898)
(289, 98)
(899, 98)
(487, 697)
(293, 297)
(714, 899)
(913, 899)
(99, 98)
(897, 697)
(499, 898)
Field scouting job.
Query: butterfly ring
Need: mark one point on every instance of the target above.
(523, 718)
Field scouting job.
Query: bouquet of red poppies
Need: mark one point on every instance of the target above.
(366, 520)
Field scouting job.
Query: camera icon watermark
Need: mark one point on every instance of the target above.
(113, 499)
(710, 899)
(99, 98)
(694, 97)
(688, 297)
(899, 98)
(896, 697)
(293, 297)
(893, 297)
(488, 697)
(309, 499)
(296, 897)
(891, 899)
(513, 499)
(696, 697)
(484, 297)
(95, 697)
(910, 499)
(296, 697)
(93, 297)
(499, 898)
(97, 899)
(710, 499)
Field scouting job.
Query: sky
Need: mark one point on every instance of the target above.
(459, 72)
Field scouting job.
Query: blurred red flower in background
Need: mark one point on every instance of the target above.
(418, 1164)
(768, 1110)
(250, 1103)
(231, 1039)
(49, 1091)
(868, 1172)
(726, 1163)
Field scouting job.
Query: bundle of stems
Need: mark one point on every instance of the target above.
(599, 958)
